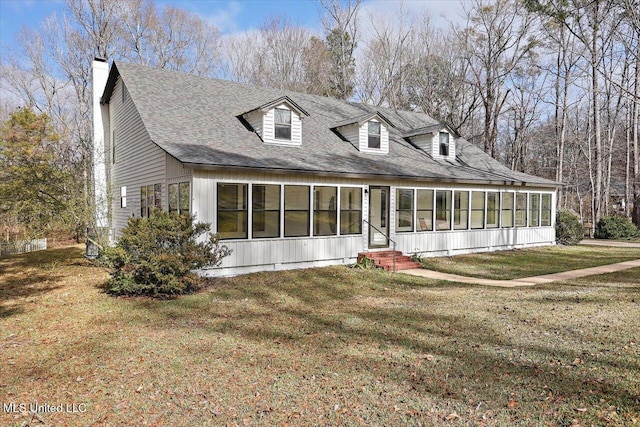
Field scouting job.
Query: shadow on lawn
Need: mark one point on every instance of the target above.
(31, 275)
(326, 314)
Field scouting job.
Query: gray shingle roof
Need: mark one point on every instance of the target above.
(195, 119)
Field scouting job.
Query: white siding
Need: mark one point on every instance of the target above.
(286, 253)
(138, 160)
(436, 146)
(424, 142)
(445, 243)
(268, 131)
(363, 139)
(254, 118)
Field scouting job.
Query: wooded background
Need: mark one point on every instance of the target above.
(548, 87)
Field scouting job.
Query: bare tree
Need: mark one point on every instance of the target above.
(340, 21)
(494, 40)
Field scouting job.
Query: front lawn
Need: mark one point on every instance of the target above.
(318, 347)
(519, 263)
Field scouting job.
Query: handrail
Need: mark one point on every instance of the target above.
(388, 238)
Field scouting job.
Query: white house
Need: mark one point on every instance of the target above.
(291, 180)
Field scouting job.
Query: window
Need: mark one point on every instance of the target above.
(350, 210)
(282, 120)
(545, 219)
(534, 210)
(265, 206)
(325, 211)
(123, 197)
(493, 209)
(296, 210)
(150, 198)
(461, 210)
(113, 147)
(179, 198)
(124, 93)
(424, 212)
(521, 210)
(477, 209)
(404, 209)
(232, 211)
(374, 134)
(507, 210)
(444, 144)
(443, 210)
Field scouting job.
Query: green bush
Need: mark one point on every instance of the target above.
(155, 256)
(569, 229)
(615, 227)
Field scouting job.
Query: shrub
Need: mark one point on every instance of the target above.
(155, 256)
(615, 227)
(569, 229)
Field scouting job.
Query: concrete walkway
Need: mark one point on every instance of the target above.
(527, 281)
(596, 242)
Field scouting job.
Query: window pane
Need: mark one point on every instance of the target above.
(149, 199)
(477, 209)
(425, 199)
(266, 210)
(461, 210)
(325, 216)
(350, 210)
(157, 199)
(282, 116)
(232, 211)
(296, 223)
(534, 213)
(143, 201)
(424, 212)
(184, 197)
(296, 197)
(374, 134)
(283, 132)
(507, 210)
(173, 197)
(521, 210)
(374, 128)
(266, 224)
(444, 144)
(404, 209)
(296, 210)
(545, 220)
(493, 207)
(443, 210)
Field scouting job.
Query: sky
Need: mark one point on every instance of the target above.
(230, 17)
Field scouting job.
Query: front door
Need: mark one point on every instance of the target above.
(378, 217)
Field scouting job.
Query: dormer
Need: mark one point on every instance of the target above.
(277, 122)
(438, 140)
(369, 132)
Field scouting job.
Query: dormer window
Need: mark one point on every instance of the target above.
(444, 144)
(374, 134)
(277, 122)
(282, 120)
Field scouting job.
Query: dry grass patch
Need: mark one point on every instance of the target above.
(320, 347)
(519, 263)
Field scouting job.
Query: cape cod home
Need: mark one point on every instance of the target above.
(291, 180)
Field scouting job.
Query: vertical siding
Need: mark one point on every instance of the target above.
(138, 160)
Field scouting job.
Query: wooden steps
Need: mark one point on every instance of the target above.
(384, 260)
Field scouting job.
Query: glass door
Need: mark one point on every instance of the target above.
(378, 217)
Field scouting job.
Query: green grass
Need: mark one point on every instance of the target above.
(521, 263)
(319, 347)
